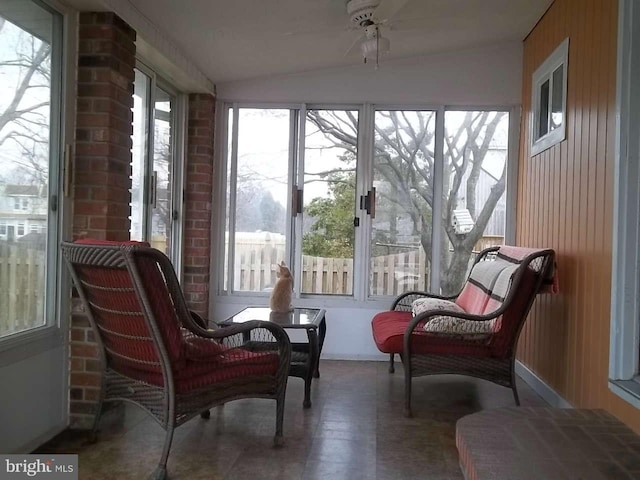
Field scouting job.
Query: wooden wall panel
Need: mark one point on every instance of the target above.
(565, 201)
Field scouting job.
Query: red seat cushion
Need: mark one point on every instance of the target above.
(208, 362)
(388, 330)
(388, 333)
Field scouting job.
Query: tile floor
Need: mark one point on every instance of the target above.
(354, 430)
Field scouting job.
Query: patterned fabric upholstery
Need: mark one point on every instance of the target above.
(477, 290)
(499, 292)
(447, 324)
(424, 304)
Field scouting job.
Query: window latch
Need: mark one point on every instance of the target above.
(368, 202)
(153, 194)
(296, 201)
(53, 203)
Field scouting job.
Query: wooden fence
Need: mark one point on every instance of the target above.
(256, 259)
(22, 286)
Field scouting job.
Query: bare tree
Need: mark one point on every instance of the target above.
(404, 159)
(25, 61)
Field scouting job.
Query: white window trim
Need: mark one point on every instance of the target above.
(544, 72)
(360, 295)
(176, 174)
(625, 287)
(53, 333)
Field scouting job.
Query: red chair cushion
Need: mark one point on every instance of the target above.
(388, 330)
(223, 364)
(388, 333)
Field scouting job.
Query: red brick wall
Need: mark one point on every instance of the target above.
(103, 134)
(199, 188)
(102, 169)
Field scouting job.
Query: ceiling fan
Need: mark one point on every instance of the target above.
(370, 15)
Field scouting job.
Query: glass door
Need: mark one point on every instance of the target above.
(329, 193)
(155, 207)
(33, 353)
(474, 182)
(403, 179)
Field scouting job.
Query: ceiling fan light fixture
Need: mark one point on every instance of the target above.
(372, 48)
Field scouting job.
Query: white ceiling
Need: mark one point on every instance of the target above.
(238, 39)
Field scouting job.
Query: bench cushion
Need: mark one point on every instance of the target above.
(388, 333)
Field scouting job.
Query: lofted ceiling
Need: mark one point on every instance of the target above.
(238, 39)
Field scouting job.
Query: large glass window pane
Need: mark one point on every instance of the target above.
(543, 121)
(331, 150)
(227, 207)
(26, 155)
(557, 96)
(161, 208)
(141, 96)
(474, 181)
(403, 177)
(261, 197)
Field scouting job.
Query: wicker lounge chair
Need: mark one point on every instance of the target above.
(160, 356)
(480, 337)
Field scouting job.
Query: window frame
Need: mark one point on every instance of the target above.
(624, 351)
(178, 119)
(364, 179)
(544, 73)
(53, 332)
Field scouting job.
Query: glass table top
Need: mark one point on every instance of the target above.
(297, 318)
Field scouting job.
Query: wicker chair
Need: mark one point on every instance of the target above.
(522, 274)
(157, 354)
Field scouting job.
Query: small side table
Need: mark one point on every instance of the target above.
(305, 356)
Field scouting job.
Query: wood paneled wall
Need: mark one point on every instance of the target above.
(565, 201)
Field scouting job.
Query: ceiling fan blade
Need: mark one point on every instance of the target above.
(356, 43)
(387, 9)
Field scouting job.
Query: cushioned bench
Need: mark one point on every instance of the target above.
(475, 332)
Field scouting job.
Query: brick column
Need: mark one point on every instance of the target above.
(199, 189)
(102, 169)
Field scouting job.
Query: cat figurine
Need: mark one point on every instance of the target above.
(280, 300)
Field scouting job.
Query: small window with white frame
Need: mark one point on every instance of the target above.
(549, 100)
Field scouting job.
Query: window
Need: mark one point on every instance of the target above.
(257, 223)
(351, 203)
(475, 179)
(401, 228)
(549, 100)
(33, 229)
(156, 180)
(624, 351)
(30, 151)
(20, 203)
(328, 180)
